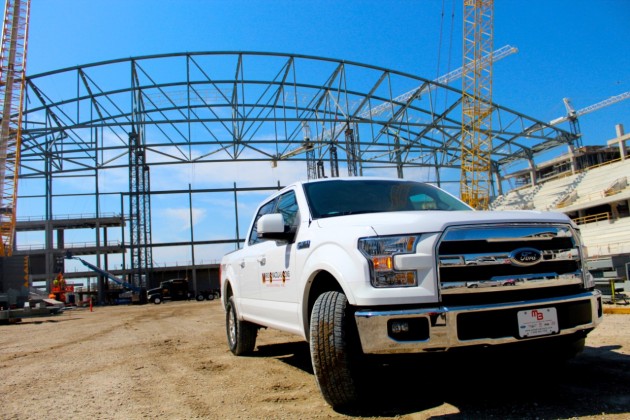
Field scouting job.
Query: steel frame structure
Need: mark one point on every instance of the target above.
(140, 113)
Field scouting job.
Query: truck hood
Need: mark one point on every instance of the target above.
(436, 221)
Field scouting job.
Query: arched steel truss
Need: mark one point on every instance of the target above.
(204, 108)
(240, 106)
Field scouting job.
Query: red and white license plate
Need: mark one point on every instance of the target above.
(536, 322)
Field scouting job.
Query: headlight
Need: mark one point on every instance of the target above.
(380, 254)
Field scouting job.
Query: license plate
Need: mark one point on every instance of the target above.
(536, 322)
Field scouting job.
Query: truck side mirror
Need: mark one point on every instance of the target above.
(271, 226)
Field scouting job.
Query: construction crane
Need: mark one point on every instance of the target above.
(476, 134)
(572, 114)
(12, 82)
(444, 80)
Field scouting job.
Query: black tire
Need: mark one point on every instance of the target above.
(335, 349)
(200, 297)
(210, 296)
(241, 335)
(157, 300)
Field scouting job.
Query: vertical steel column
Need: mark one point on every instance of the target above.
(148, 239)
(321, 172)
(352, 152)
(141, 263)
(334, 161)
(48, 234)
(311, 169)
(139, 209)
(238, 242)
(122, 231)
(398, 155)
(192, 239)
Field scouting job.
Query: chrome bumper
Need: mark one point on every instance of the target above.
(436, 328)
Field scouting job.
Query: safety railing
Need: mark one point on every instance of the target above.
(592, 218)
(67, 217)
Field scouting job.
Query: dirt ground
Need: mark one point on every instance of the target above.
(172, 361)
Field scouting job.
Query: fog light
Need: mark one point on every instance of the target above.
(408, 329)
(400, 327)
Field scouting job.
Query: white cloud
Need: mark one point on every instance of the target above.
(179, 218)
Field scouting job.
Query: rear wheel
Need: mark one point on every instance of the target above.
(199, 297)
(241, 335)
(335, 349)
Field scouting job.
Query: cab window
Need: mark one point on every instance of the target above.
(266, 209)
(287, 206)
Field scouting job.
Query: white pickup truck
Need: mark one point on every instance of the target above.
(376, 266)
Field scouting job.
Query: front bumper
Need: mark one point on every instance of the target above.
(442, 328)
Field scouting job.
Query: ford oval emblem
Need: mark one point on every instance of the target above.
(525, 256)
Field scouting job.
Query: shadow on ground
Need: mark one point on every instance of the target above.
(485, 386)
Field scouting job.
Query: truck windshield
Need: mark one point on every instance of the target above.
(343, 197)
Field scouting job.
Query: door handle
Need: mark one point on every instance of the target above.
(243, 264)
(262, 260)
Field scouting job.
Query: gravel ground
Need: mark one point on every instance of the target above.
(172, 361)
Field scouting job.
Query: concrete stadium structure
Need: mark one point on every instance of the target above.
(591, 186)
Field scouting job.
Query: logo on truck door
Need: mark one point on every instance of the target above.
(525, 256)
(276, 278)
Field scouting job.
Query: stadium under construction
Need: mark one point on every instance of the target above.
(103, 145)
(146, 166)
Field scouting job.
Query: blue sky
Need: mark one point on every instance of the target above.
(577, 49)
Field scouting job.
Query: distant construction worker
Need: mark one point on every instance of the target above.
(61, 281)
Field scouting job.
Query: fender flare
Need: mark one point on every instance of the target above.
(344, 266)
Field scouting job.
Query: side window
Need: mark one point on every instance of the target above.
(266, 209)
(287, 206)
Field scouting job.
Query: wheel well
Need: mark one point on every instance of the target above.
(227, 294)
(323, 282)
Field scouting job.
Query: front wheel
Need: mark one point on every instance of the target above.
(241, 335)
(199, 297)
(335, 349)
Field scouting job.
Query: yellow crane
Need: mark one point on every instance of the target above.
(476, 134)
(12, 82)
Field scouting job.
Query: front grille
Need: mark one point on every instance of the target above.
(500, 263)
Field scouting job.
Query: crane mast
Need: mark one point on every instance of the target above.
(476, 141)
(12, 81)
